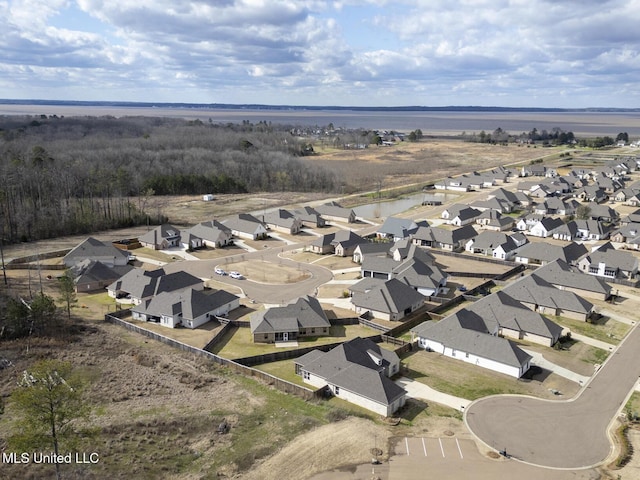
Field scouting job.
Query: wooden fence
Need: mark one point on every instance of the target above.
(278, 383)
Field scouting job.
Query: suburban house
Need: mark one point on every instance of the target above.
(495, 221)
(591, 193)
(452, 240)
(525, 223)
(503, 314)
(519, 199)
(459, 184)
(245, 225)
(629, 235)
(302, 318)
(212, 234)
(493, 203)
(187, 308)
(460, 215)
(607, 262)
(545, 226)
(387, 300)
(335, 212)
(94, 249)
(282, 221)
(581, 230)
(464, 336)
(138, 285)
(162, 237)
(357, 371)
(563, 276)
(496, 244)
(90, 275)
(342, 243)
(410, 265)
(557, 206)
(538, 253)
(395, 228)
(371, 248)
(310, 217)
(541, 296)
(603, 213)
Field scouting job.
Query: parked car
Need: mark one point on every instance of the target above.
(462, 288)
(236, 275)
(219, 271)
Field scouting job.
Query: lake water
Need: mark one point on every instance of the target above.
(449, 123)
(383, 209)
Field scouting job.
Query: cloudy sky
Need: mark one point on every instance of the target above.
(530, 53)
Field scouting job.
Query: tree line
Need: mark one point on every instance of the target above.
(74, 175)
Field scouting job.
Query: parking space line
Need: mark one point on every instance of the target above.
(459, 449)
(441, 447)
(406, 442)
(424, 447)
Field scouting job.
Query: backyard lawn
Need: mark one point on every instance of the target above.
(239, 343)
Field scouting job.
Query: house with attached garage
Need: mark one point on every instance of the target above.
(342, 243)
(161, 238)
(494, 220)
(452, 240)
(460, 215)
(90, 275)
(212, 234)
(628, 235)
(302, 318)
(541, 296)
(310, 217)
(335, 212)
(496, 244)
(607, 262)
(463, 336)
(564, 277)
(387, 300)
(395, 228)
(518, 199)
(557, 206)
(539, 253)
(245, 225)
(282, 221)
(94, 249)
(582, 230)
(495, 204)
(459, 184)
(371, 248)
(187, 308)
(357, 371)
(138, 285)
(545, 226)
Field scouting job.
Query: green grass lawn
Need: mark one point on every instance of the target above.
(285, 370)
(458, 378)
(605, 329)
(239, 343)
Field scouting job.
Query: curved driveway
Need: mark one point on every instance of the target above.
(562, 434)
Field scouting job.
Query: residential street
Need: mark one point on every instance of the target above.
(561, 434)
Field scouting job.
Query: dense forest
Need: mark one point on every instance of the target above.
(76, 175)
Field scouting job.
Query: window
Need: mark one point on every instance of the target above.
(306, 375)
(466, 355)
(337, 390)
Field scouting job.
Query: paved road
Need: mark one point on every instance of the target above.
(562, 434)
(261, 292)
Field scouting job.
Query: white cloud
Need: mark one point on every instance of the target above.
(346, 52)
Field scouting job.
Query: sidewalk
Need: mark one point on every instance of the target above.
(424, 392)
(593, 342)
(540, 361)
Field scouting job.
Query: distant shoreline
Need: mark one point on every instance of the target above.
(229, 106)
(436, 122)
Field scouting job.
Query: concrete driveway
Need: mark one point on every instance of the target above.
(424, 392)
(561, 434)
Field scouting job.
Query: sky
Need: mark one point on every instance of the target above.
(509, 53)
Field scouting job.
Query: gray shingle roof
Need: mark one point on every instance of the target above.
(305, 312)
(561, 274)
(351, 366)
(393, 296)
(548, 252)
(448, 332)
(190, 303)
(94, 249)
(535, 290)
